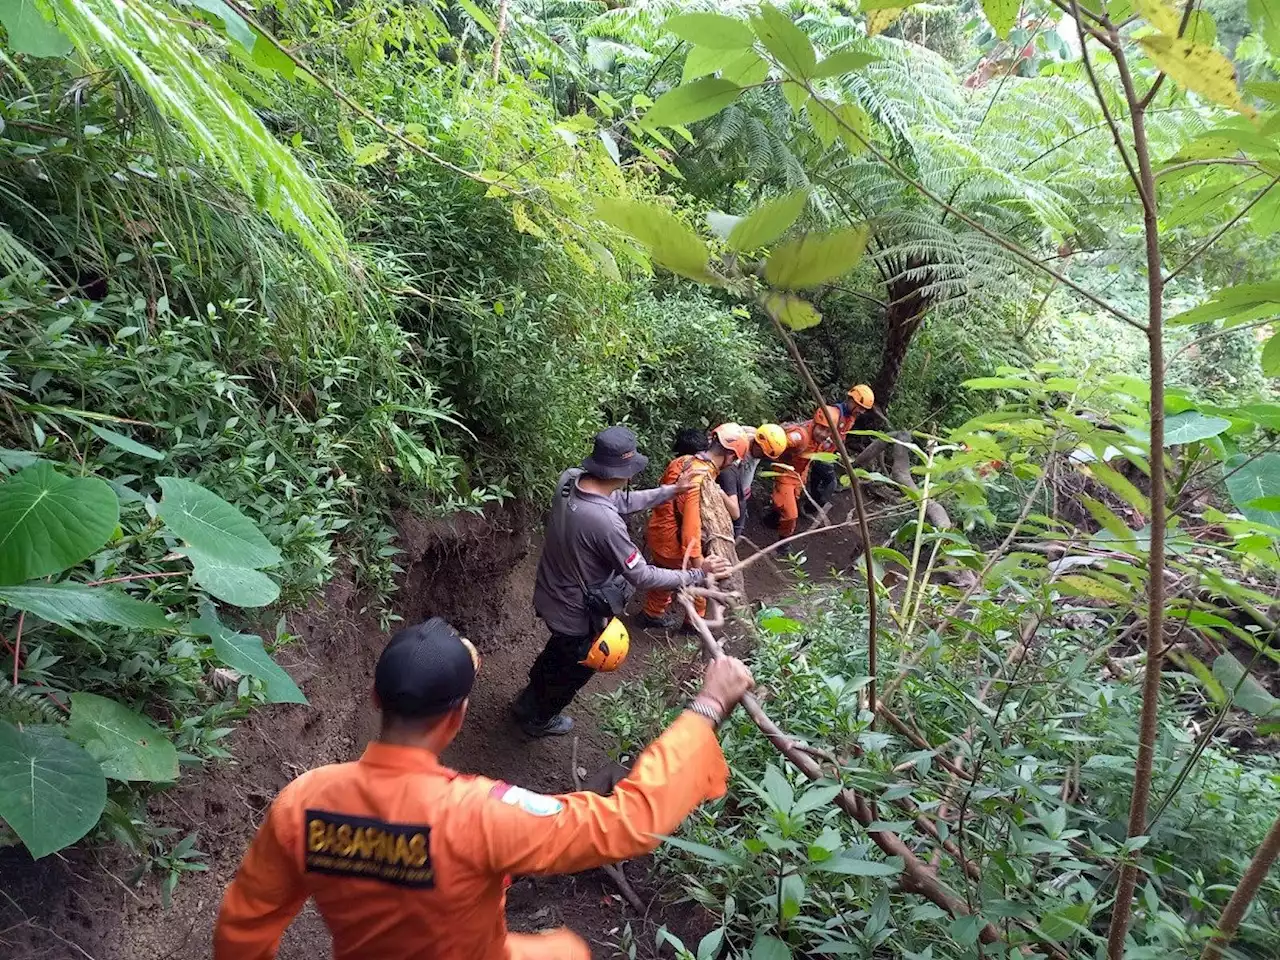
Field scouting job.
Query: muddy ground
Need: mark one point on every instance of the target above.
(479, 574)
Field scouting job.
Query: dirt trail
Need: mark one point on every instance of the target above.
(479, 574)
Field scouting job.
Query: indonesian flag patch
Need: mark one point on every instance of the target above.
(632, 561)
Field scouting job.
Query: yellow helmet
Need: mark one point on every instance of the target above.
(772, 440)
(863, 396)
(609, 650)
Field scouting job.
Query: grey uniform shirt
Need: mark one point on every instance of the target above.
(587, 537)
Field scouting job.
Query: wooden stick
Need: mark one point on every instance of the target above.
(612, 870)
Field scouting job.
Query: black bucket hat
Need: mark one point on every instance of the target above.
(614, 456)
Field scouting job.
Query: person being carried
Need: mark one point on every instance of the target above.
(768, 441)
(405, 858)
(588, 562)
(803, 439)
(822, 476)
(675, 527)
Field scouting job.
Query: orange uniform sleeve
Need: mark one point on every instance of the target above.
(579, 831)
(691, 519)
(267, 891)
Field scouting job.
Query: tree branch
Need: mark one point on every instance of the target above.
(1218, 235)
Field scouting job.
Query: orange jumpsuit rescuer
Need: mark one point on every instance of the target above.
(803, 439)
(408, 860)
(675, 527)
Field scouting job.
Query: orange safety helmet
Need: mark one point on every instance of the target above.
(828, 418)
(772, 440)
(610, 649)
(862, 396)
(733, 438)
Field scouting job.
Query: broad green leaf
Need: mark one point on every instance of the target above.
(669, 242)
(853, 126)
(847, 61)
(1193, 665)
(702, 61)
(51, 791)
(712, 30)
(127, 444)
(792, 311)
(1263, 414)
(270, 57)
(242, 586)
(749, 70)
(795, 95)
(1201, 28)
(236, 26)
(1264, 216)
(781, 625)
(479, 16)
(1001, 14)
(49, 522)
(126, 744)
(766, 947)
(855, 867)
(823, 119)
(244, 652)
(1121, 486)
(1160, 15)
(68, 603)
(371, 153)
(769, 222)
(1271, 356)
(1064, 921)
(691, 102)
(30, 31)
(815, 258)
(213, 526)
(1199, 68)
(1107, 520)
(703, 852)
(610, 145)
(1251, 696)
(709, 946)
(1265, 16)
(1253, 478)
(1191, 426)
(789, 44)
(777, 788)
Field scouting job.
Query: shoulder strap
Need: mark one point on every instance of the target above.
(569, 492)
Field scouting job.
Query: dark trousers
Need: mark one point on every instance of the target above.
(822, 484)
(555, 677)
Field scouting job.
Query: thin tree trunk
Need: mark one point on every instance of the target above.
(497, 40)
(1238, 905)
(1148, 724)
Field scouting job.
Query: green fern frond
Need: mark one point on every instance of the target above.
(26, 704)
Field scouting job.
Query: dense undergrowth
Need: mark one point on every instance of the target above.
(1054, 746)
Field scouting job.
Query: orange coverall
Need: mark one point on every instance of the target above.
(675, 525)
(788, 484)
(408, 860)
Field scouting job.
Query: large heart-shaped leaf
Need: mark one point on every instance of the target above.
(1190, 426)
(1254, 478)
(238, 585)
(49, 522)
(68, 603)
(51, 791)
(213, 526)
(30, 32)
(126, 744)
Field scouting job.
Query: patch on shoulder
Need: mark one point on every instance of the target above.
(537, 804)
(632, 561)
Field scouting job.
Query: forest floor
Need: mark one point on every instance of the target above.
(477, 573)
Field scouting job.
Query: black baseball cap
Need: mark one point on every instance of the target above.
(425, 670)
(614, 456)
